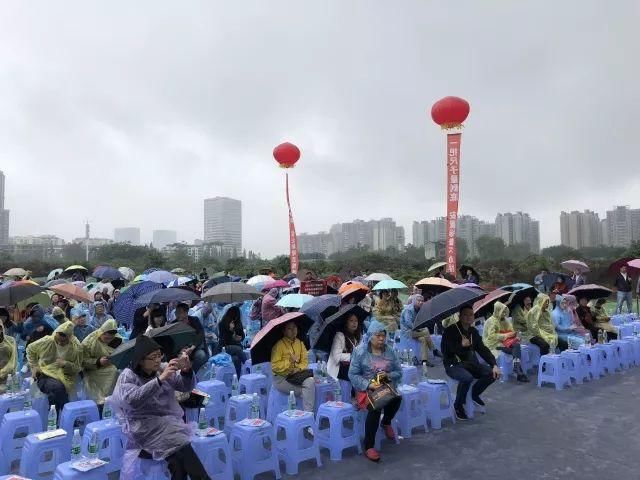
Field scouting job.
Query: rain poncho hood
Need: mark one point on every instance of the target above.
(268, 308)
(408, 315)
(99, 380)
(539, 323)
(496, 328)
(365, 365)
(37, 318)
(8, 355)
(561, 317)
(42, 355)
(375, 327)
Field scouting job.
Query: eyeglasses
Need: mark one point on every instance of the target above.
(154, 357)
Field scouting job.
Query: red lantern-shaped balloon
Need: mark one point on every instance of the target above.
(286, 154)
(450, 112)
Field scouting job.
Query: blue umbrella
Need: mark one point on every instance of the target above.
(180, 281)
(389, 285)
(125, 306)
(321, 307)
(106, 272)
(161, 276)
(446, 304)
(294, 300)
(165, 295)
(150, 270)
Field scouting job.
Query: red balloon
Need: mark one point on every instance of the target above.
(286, 154)
(450, 112)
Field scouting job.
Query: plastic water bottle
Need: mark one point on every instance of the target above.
(255, 406)
(234, 386)
(587, 339)
(605, 337)
(76, 443)
(338, 392)
(224, 349)
(93, 445)
(52, 419)
(107, 411)
(600, 336)
(27, 401)
(10, 385)
(202, 423)
(212, 371)
(17, 383)
(292, 401)
(324, 371)
(424, 371)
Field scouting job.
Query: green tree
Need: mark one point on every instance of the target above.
(558, 253)
(490, 248)
(517, 251)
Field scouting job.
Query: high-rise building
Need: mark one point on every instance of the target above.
(162, 238)
(4, 215)
(127, 235)
(350, 235)
(621, 227)
(315, 243)
(223, 223)
(580, 229)
(518, 228)
(385, 235)
(468, 228)
(41, 247)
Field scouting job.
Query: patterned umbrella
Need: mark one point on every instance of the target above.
(161, 276)
(125, 306)
(180, 281)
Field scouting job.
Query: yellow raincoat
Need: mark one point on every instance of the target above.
(518, 316)
(42, 355)
(601, 319)
(8, 358)
(539, 323)
(496, 323)
(99, 381)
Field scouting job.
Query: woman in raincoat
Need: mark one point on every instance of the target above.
(578, 329)
(55, 361)
(268, 308)
(146, 396)
(540, 329)
(519, 315)
(566, 329)
(387, 311)
(99, 374)
(499, 336)
(8, 357)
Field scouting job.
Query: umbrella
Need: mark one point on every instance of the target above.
(15, 291)
(443, 305)
(321, 307)
(76, 268)
(436, 266)
(350, 289)
(377, 277)
(335, 324)
(634, 265)
(517, 296)
(515, 286)
(614, 268)
(266, 338)
(180, 281)
(484, 307)
(275, 284)
(124, 308)
(231, 292)
(294, 300)
(289, 276)
(105, 272)
(550, 278)
(151, 270)
(573, 265)
(127, 273)
(178, 271)
(258, 279)
(42, 298)
(161, 276)
(59, 281)
(463, 271)
(590, 292)
(139, 278)
(212, 282)
(81, 284)
(69, 290)
(434, 285)
(15, 272)
(53, 273)
(390, 285)
(165, 295)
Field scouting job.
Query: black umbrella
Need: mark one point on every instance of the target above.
(231, 292)
(335, 323)
(518, 296)
(165, 295)
(212, 282)
(590, 292)
(445, 304)
(266, 338)
(13, 292)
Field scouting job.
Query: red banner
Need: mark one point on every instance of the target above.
(293, 240)
(453, 195)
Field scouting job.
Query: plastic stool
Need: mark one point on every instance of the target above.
(253, 450)
(15, 427)
(409, 375)
(41, 405)
(325, 392)
(595, 360)
(245, 369)
(530, 354)
(625, 353)
(333, 431)
(413, 412)
(436, 409)
(111, 443)
(41, 457)
(577, 365)
(78, 415)
(264, 369)
(505, 364)
(215, 455)
(413, 344)
(635, 344)
(238, 408)
(216, 409)
(345, 387)
(255, 383)
(293, 441)
(278, 402)
(469, 406)
(225, 374)
(611, 358)
(13, 403)
(553, 369)
(65, 471)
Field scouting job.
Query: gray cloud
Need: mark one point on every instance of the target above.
(130, 113)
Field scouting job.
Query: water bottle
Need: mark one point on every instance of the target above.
(212, 371)
(17, 383)
(107, 411)
(600, 336)
(27, 401)
(224, 350)
(255, 407)
(587, 339)
(424, 371)
(93, 445)
(52, 419)
(292, 401)
(10, 385)
(605, 337)
(76, 443)
(202, 423)
(234, 386)
(338, 392)
(516, 366)
(435, 329)
(259, 369)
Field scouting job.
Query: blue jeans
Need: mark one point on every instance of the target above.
(482, 373)
(622, 298)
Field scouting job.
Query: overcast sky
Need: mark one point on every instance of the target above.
(131, 113)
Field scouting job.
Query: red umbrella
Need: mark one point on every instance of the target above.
(484, 307)
(276, 284)
(614, 268)
(266, 338)
(69, 290)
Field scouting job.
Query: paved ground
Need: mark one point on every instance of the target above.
(588, 432)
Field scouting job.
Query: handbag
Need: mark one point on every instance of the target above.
(379, 398)
(509, 342)
(297, 378)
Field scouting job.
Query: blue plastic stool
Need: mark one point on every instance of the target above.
(246, 368)
(13, 431)
(152, 470)
(611, 358)
(216, 409)
(413, 412)
(65, 471)
(255, 383)
(530, 357)
(437, 341)
(253, 450)
(345, 387)
(435, 408)
(625, 353)
(411, 344)
(41, 457)
(278, 402)
(553, 369)
(577, 365)
(41, 405)
(625, 330)
(13, 403)
(595, 360)
(111, 443)
(225, 374)
(469, 406)
(325, 392)
(505, 364)
(635, 344)
(215, 455)
(238, 408)
(409, 375)
(264, 369)
(78, 415)
(337, 428)
(293, 441)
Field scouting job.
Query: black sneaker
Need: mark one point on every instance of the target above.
(437, 353)
(478, 401)
(522, 378)
(460, 413)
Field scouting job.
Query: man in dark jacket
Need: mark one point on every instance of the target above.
(460, 343)
(201, 353)
(624, 289)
